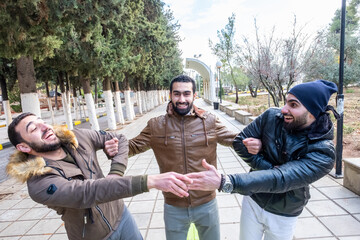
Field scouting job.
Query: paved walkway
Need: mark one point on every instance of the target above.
(332, 213)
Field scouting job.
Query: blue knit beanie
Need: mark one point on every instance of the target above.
(314, 95)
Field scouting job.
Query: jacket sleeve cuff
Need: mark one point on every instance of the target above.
(139, 184)
(117, 168)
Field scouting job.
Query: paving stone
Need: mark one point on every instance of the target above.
(325, 182)
(157, 220)
(142, 219)
(230, 215)
(337, 192)
(315, 194)
(25, 203)
(159, 205)
(35, 213)
(151, 195)
(324, 208)
(12, 214)
(305, 213)
(17, 228)
(342, 225)
(7, 204)
(141, 206)
(35, 237)
(230, 231)
(59, 237)
(235, 164)
(47, 226)
(351, 205)
(4, 225)
(307, 228)
(156, 234)
(228, 200)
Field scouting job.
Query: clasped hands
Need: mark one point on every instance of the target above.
(208, 180)
(179, 184)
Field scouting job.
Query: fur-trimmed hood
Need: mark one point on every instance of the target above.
(23, 166)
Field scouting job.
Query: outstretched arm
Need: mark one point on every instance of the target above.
(173, 182)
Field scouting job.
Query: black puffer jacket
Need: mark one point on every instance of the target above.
(289, 161)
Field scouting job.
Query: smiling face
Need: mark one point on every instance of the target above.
(182, 97)
(37, 135)
(296, 116)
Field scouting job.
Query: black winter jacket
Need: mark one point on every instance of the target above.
(289, 161)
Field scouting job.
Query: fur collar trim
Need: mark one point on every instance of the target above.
(23, 166)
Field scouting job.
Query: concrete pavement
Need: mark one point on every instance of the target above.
(332, 213)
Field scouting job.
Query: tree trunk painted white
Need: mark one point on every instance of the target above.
(30, 103)
(91, 111)
(155, 97)
(109, 103)
(7, 111)
(130, 114)
(82, 114)
(143, 100)
(167, 95)
(159, 97)
(151, 98)
(65, 104)
(119, 113)
(148, 102)
(139, 102)
(68, 98)
(76, 108)
(51, 110)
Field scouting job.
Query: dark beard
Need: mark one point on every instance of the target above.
(297, 124)
(45, 147)
(182, 112)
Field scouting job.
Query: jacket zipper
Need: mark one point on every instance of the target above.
(184, 149)
(85, 222)
(104, 218)
(87, 164)
(97, 207)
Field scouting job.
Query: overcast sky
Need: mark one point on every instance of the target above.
(200, 19)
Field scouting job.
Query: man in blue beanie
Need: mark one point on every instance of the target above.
(297, 151)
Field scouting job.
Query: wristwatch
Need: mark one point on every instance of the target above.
(228, 186)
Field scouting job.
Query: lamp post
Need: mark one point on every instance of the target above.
(340, 97)
(218, 66)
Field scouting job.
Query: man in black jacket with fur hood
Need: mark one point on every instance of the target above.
(297, 151)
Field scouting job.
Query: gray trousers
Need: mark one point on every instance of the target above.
(205, 217)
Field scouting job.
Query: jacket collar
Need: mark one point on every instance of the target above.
(23, 166)
(195, 111)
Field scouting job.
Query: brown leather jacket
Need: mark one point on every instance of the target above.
(88, 203)
(180, 143)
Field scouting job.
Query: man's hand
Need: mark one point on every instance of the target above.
(111, 147)
(253, 145)
(170, 182)
(208, 180)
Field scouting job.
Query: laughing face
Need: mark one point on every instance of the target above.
(182, 97)
(296, 116)
(38, 136)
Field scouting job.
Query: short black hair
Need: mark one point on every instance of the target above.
(15, 137)
(183, 78)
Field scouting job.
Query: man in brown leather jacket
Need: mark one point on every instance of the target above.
(180, 139)
(62, 172)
